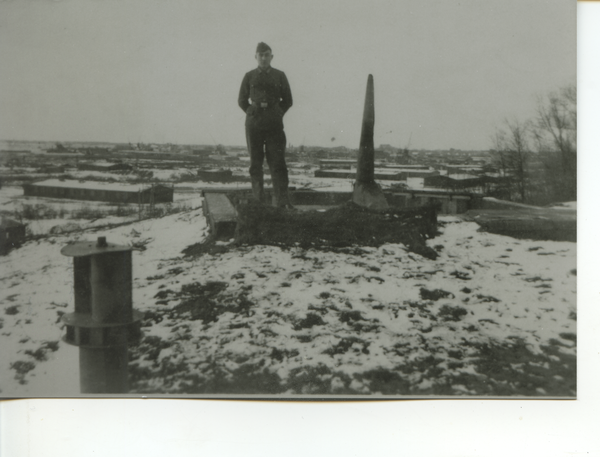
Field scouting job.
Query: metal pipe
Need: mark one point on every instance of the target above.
(104, 322)
(103, 370)
(83, 289)
(111, 287)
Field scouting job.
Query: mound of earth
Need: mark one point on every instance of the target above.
(343, 226)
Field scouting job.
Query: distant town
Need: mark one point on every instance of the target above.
(219, 153)
(463, 169)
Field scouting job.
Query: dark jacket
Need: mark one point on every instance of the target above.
(265, 96)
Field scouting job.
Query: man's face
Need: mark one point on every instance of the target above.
(264, 59)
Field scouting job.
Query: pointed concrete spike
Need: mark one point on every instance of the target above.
(367, 192)
(365, 167)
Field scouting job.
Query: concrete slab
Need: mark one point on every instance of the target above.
(527, 223)
(221, 215)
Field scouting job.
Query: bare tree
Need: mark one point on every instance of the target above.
(555, 132)
(512, 154)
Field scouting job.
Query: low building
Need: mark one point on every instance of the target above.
(385, 173)
(52, 169)
(100, 191)
(12, 234)
(348, 164)
(463, 169)
(466, 182)
(7, 156)
(456, 181)
(203, 152)
(104, 166)
(406, 173)
(219, 175)
(327, 164)
(292, 156)
(407, 167)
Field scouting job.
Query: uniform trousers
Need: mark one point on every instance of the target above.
(270, 144)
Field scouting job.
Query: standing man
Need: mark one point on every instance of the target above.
(265, 96)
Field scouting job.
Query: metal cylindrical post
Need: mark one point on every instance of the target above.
(111, 287)
(103, 370)
(83, 288)
(104, 322)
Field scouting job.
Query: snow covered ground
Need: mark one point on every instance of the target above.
(492, 315)
(65, 215)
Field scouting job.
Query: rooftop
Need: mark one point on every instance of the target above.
(97, 185)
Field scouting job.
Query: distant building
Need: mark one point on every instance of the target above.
(406, 167)
(204, 152)
(221, 175)
(462, 182)
(149, 154)
(60, 149)
(463, 169)
(320, 154)
(325, 164)
(8, 156)
(12, 234)
(292, 156)
(94, 151)
(347, 164)
(104, 166)
(388, 148)
(406, 173)
(52, 169)
(346, 170)
(402, 156)
(466, 182)
(100, 191)
(381, 154)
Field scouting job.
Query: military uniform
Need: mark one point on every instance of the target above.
(265, 96)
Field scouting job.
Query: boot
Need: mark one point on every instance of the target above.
(258, 191)
(281, 197)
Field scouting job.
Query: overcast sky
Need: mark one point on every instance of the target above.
(446, 72)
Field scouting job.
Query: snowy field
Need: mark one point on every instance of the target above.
(60, 215)
(491, 316)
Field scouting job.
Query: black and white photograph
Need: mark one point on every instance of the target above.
(313, 200)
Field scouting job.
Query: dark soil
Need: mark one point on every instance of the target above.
(435, 294)
(205, 302)
(12, 310)
(340, 227)
(451, 313)
(346, 344)
(22, 368)
(40, 354)
(310, 321)
(343, 228)
(208, 246)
